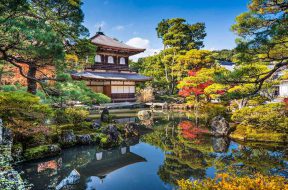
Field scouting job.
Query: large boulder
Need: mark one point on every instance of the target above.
(144, 114)
(220, 144)
(84, 139)
(105, 115)
(219, 126)
(67, 138)
(113, 134)
(131, 129)
(6, 135)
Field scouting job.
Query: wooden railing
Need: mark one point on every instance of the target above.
(123, 96)
(108, 66)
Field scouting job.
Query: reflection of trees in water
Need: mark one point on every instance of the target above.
(173, 169)
(189, 154)
(184, 157)
(247, 161)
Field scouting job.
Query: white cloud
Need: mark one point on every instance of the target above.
(101, 24)
(142, 43)
(138, 42)
(119, 27)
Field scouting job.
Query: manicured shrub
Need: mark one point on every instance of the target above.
(8, 88)
(212, 110)
(22, 111)
(100, 98)
(76, 115)
(250, 133)
(228, 182)
(78, 91)
(60, 116)
(271, 117)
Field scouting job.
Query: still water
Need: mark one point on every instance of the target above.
(173, 147)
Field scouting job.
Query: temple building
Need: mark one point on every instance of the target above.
(110, 73)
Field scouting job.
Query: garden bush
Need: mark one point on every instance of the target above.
(76, 116)
(78, 91)
(228, 182)
(23, 110)
(272, 117)
(146, 95)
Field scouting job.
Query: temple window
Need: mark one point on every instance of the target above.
(122, 89)
(110, 60)
(97, 59)
(122, 61)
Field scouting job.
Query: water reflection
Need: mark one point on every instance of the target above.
(87, 161)
(173, 147)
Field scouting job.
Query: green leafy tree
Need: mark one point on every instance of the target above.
(36, 34)
(177, 33)
(178, 36)
(224, 55)
(263, 38)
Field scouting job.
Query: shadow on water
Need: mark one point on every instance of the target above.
(174, 149)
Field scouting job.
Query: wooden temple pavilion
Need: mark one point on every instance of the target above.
(110, 73)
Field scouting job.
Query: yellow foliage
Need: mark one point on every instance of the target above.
(227, 182)
(71, 58)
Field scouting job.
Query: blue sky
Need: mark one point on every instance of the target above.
(134, 21)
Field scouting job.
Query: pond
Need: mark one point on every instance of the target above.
(172, 148)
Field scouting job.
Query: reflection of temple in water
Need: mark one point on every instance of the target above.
(88, 162)
(110, 160)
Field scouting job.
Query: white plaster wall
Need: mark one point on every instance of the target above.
(283, 89)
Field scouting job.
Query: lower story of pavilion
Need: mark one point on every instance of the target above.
(120, 87)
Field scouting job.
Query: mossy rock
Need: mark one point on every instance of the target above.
(42, 151)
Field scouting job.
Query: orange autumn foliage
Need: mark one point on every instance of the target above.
(13, 75)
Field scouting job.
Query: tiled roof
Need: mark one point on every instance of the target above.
(110, 76)
(101, 39)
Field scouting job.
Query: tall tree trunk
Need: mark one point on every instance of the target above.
(32, 84)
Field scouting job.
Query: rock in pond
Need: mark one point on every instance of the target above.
(219, 126)
(67, 138)
(105, 115)
(72, 179)
(84, 139)
(131, 129)
(144, 114)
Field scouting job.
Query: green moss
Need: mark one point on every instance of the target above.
(82, 129)
(248, 133)
(41, 152)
